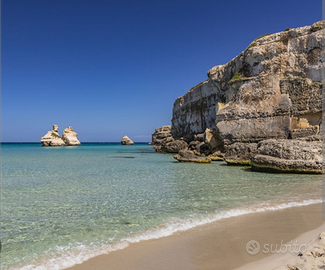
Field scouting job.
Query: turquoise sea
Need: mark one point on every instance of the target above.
(63, 205)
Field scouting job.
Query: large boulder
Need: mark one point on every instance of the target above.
(212, 140)
(126, 141)
(174, 146)
(160, 137)
(240, 153)
(189, 156)
(70, 137)
(292, 156)
(52, 138)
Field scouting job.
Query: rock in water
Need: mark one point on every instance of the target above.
(174, 146)
(70, 137)
(293, 156)
(52, 138)
(126, 141)
(189, 156)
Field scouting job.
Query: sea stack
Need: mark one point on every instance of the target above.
(70, 137)
(52, 138)
(126, 141)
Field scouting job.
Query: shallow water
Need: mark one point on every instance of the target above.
(63, 205)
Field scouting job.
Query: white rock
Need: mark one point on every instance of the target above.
(126, 141)
(70, 137)
(52, 138)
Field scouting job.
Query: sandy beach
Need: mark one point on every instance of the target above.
(220, 245)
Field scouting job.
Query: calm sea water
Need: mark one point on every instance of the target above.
(63, 205)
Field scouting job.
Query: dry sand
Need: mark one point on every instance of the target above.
(221, 245)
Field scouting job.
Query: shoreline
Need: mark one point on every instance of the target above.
(217, 245)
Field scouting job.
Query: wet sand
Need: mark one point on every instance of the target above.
(219, 245)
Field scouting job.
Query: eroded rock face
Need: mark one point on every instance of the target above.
(240, 153)
(267, 97)
(212, 140)
(259, 94)
(195, 111)
(188, 156)
(174, 146)
(126, 141)
(161, 136)
(70, 137)
(288, 156)
(52, 138)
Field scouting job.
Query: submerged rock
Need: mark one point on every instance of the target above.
(189, 156)
(126, 141)
(52, 138)
(292, 156)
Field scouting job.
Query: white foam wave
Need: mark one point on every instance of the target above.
(78, 252)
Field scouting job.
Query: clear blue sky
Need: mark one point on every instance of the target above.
(113, 68)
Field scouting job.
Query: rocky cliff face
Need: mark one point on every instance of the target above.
(272, 90)
(265, 100)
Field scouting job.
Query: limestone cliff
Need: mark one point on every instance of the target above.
(272, 90)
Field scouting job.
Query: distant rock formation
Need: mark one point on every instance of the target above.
(272, 90)
(126, 141)
(52, 138)
(70, 137)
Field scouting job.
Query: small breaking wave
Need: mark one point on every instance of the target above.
(61, 257)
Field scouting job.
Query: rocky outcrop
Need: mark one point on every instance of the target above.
(188, 156)
(70, 137)
(52, 138)
(163, 141)
(240, 153)
(272, 90)
(126, 141)
(293, 156)
(161, 136)
(174, 146)
(212, 140)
